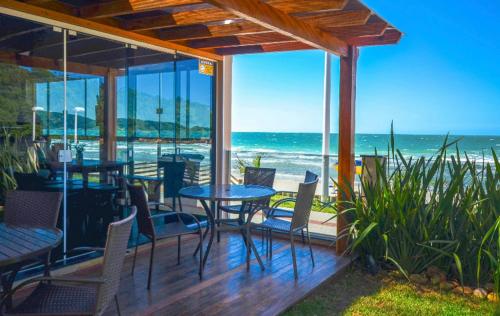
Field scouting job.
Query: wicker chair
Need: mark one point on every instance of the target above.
(275, 211)
(77, 295)
(176, 225)
(33, 208)
(299, 222)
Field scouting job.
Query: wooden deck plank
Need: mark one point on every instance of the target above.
(227, 287)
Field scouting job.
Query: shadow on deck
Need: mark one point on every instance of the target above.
(227, 287)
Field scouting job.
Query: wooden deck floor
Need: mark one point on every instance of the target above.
(227, 287)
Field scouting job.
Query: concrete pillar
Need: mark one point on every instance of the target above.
(325, 152)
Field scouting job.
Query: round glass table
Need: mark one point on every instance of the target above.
(226, 193)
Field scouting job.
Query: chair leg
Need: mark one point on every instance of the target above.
(201, 254)
(46, 263)
(270, 244)
(201, 244)
(151, 263)
(135, 252)
(218, 221)
(179, 249)
(292, 242)
(247, 242)
(180, 204)
(117, 306)
(303, 237)
(310, 247)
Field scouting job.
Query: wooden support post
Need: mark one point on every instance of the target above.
(347, 113)
(219, 123)
(108, 146)
(227, 106)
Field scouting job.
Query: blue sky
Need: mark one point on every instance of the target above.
(444, 76)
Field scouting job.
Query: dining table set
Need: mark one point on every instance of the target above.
(212, 197)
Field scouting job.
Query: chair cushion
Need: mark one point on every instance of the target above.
(276, 224)
(51, 299)
(279, 212)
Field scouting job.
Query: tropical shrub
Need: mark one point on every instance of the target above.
(15, 156)
(441, 211)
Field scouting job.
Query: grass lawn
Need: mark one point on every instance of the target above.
(359, 293)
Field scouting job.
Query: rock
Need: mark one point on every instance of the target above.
(442, 276)
(444, 285)
(489, 287)
(492, 297)
(455, 283)
(480, 293)
(458, 290)
(468, 290)
(396, 274)
(432, 270)
(418, 279)
(435, 279)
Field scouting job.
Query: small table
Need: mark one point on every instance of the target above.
(19, 244)
(229, 192)
(88, 166)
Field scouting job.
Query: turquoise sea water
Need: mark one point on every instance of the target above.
(293, 153)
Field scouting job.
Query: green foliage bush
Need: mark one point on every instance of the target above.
(441, 211)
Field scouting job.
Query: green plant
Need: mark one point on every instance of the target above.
(242, 164)
(441, 211)
(15, 156)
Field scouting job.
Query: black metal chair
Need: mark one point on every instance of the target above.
(173, 181)
(299, 222)
(79, 295)
(178, 227)
(30, 181)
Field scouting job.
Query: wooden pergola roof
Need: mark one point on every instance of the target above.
(214, 28)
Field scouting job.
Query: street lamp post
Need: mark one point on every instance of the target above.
(77, 109)
(35, 109)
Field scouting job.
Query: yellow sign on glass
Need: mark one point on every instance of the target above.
(206, 67)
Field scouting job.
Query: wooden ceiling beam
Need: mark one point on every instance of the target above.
(278, 21)
(242, 40)
(203, 31)
(335, 18)
(122, 7)
(294, 6)
(374, 27)
(64, 19)
(265, 48)
(390, 36)
(177, 19)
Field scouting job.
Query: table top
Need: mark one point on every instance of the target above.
(89, 164)
(20, 243)
(229, 192)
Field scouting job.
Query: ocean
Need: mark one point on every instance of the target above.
(294, 153)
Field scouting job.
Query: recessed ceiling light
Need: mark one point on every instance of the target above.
(228, 21)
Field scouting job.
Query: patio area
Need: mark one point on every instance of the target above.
(227, 288)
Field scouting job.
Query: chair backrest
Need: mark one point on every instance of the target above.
(32, 208)
(114, 255)
(303, 205)
(310, 177)
(29, 181)
(139, 199)
(173, 177)
(260, 176)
